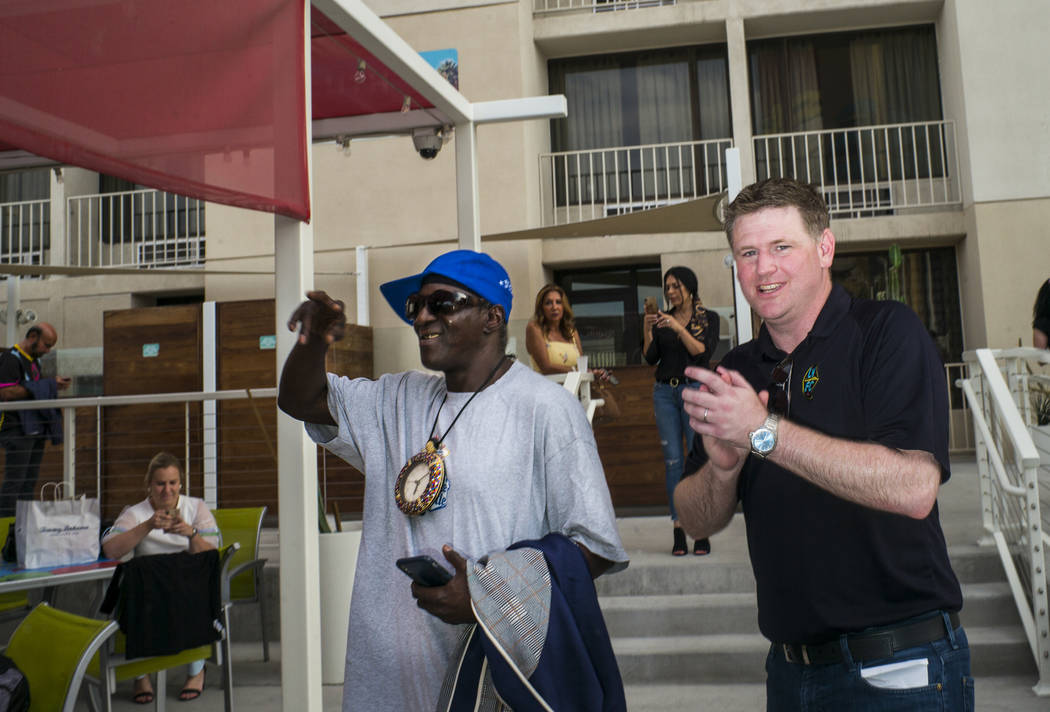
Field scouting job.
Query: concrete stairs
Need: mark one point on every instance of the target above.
(692, 621)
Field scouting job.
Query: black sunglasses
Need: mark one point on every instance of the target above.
(439, 303)
(779, 395)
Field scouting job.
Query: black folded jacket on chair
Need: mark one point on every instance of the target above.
(167, 603)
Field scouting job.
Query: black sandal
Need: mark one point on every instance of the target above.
(679, 543)
(191, 693)
(702, 547)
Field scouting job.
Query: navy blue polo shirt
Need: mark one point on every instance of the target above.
(868, 371)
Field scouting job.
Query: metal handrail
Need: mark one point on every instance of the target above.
(1008, 464)
(68, 407)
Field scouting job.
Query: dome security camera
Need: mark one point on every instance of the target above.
(428, 141)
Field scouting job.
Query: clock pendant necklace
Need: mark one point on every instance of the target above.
(423, 479)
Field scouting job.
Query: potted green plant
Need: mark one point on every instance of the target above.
(1040, 396)
(1040, 427)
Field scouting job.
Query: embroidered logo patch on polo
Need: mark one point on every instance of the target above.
(809, 381)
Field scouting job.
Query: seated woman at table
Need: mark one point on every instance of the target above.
(166, 522)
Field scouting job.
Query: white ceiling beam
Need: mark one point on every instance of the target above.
(530, 107)
(394, 122)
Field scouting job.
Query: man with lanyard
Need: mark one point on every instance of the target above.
(489, 452)
(831, 429)
(22, 433)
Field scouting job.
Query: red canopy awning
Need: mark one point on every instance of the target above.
(199, 98)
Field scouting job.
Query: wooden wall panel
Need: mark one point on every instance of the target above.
(177, 365)
(248, 429)
(131, 435)
(247, 449)
(629, 445)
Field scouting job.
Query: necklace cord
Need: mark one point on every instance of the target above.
(473, 395)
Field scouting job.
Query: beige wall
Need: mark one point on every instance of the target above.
(1011, 240)
(999, 82)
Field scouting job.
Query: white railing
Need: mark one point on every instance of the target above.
(599, 183)
(84, 458)
(25, 231)
(870, 170)
(549, 6)
(135, 228)
(1008, 464)
(960, 420)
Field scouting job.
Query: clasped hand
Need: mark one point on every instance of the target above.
(724, 410)
(320, 316)
(451, 602)
(170, 523)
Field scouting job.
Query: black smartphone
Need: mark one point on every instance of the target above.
(424, 570)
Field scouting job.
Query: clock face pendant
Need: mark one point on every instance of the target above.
(421, 480)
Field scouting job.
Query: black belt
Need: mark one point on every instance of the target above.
(675, 380)
(871, 646)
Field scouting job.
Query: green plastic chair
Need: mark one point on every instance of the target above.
(244, 526)
(54, 649)
(118, 668)
(12, 605)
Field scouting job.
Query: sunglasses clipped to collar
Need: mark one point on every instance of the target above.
(780, 389)
(440, 302)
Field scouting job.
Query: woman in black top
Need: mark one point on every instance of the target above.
(685, 334)
(1041, 317)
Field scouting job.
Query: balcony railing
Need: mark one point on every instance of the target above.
(599, 183)
(549, 6)
(870, 170)
(135, 228)
(25, 231)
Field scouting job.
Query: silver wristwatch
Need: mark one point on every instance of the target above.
(764, 439)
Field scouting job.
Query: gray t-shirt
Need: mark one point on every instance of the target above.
(522, 463)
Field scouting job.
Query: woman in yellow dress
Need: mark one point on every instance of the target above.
(551, 337)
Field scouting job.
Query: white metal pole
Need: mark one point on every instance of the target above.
(209, 354)
(743, 309)
(467, 206)
(14, 305)
(300, 597)
(57, 208)
(69, 450)
(364, 309)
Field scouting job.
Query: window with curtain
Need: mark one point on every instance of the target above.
(620, 102)
(844, 80)
(655, 96)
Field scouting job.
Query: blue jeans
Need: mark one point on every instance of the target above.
(672, 422)
(793, 687)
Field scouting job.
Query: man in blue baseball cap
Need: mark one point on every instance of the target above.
(460, 464)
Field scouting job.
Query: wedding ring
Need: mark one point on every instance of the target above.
(706, 410)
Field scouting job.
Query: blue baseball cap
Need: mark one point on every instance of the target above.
(475, 271)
